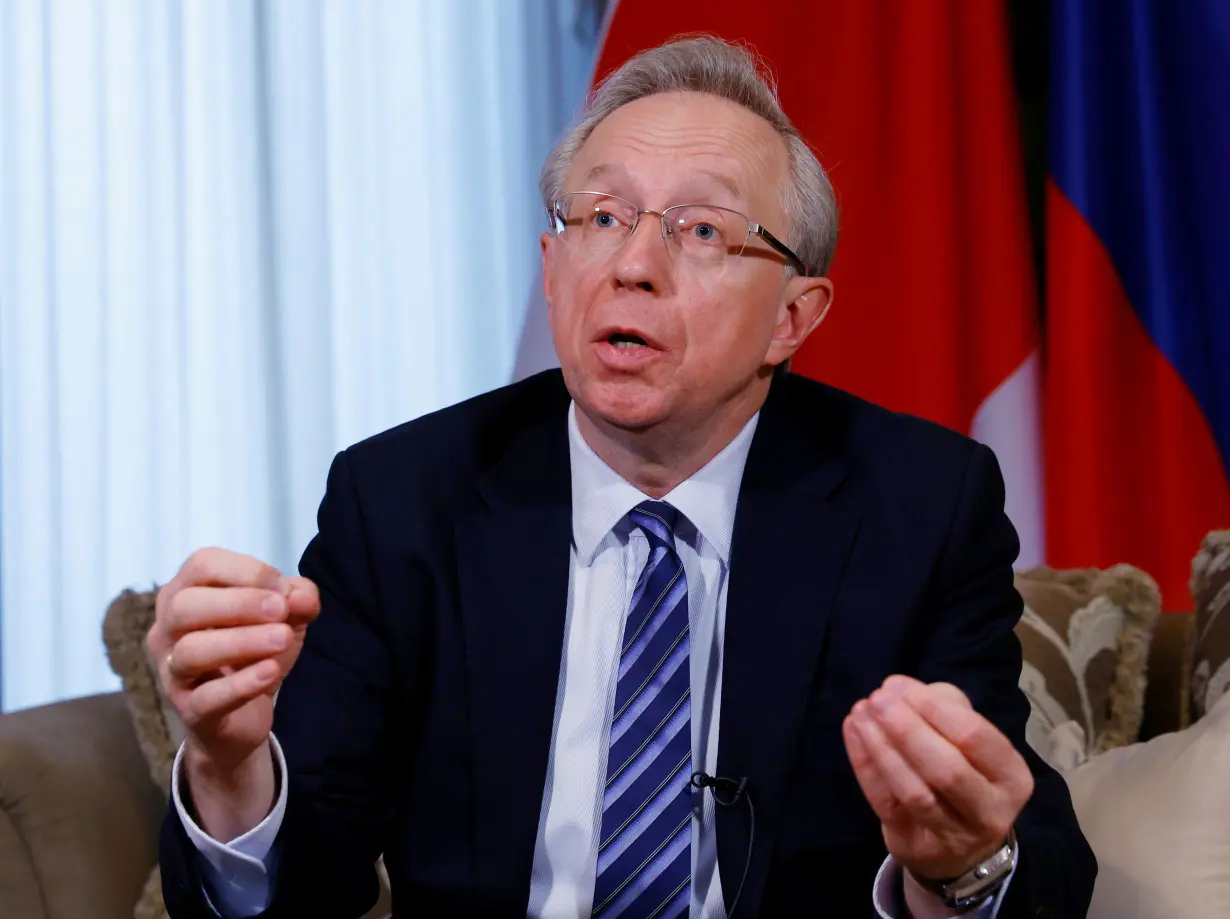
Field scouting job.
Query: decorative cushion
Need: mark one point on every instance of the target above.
(1158, 818)
(1085, 641)
(1209, 656)
(157, 724)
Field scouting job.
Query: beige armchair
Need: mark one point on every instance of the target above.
(79, 814)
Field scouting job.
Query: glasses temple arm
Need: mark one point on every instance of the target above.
(781, 247)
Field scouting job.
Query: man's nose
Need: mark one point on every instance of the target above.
(644, 261)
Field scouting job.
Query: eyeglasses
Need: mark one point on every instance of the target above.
(701, 233)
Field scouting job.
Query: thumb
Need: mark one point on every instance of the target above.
(302, 598)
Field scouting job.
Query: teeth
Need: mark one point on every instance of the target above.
(628, 344)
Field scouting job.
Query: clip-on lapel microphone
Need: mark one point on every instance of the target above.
(727, 793)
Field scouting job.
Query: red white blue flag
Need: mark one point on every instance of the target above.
(1138, 284)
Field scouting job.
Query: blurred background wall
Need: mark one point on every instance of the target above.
(236, 237)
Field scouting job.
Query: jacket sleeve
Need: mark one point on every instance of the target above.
(967, 638)
(335, 718)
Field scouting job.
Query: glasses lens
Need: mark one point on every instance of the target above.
(594, 221)
(706, 234)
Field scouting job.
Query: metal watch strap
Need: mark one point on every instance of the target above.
(980, 882)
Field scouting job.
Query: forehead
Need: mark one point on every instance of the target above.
(669, 144)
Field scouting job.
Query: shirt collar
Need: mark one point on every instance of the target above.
(601, 498)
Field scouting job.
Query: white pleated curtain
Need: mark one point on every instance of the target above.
(235, 237)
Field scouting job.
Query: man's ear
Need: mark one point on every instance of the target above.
(805, 304)
(547, 244)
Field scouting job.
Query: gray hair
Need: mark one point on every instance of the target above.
(707, 64)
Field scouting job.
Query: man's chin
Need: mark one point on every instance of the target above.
(627, 404)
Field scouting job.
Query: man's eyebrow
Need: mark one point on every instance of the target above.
(725, 181)
(599, 170)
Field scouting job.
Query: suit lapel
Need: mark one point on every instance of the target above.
(513, 551)
(791, 541)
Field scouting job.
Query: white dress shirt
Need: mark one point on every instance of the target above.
(607, 556)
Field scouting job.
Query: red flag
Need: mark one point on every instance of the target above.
(910, 106)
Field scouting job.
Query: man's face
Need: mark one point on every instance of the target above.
(712, 332)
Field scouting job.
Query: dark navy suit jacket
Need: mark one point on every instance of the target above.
(418, 718)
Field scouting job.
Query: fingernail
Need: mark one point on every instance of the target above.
(272, 605)
(882, 700)
(859, 711)
(277, 639)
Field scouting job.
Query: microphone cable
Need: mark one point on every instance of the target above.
(727, 793)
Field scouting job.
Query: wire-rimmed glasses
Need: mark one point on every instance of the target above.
(702, 233)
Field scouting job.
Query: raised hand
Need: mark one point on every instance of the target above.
(946, 784)
(227, 630)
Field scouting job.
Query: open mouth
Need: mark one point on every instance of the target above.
(625, 341)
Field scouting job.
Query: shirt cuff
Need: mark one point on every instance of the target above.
(888, 895)
(237, 876)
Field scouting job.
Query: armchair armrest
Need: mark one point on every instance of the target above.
(79, 814)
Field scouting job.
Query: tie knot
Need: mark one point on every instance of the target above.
(657, 519)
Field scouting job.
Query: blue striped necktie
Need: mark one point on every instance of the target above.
(645, 854)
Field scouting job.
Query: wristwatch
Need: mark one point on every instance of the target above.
(977, 884)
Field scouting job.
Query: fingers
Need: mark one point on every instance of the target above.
(983, 745)
(942, 808)
(199, 595)
(218, 697)
(223, 568)
(199, 607)
(207, 651)
(938, 759)
(303, 599)
(940, 765)
(194, 608)
(947, 692)
(901, 686)
(898, 775)
(875, 789)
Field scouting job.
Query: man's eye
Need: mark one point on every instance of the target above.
(605, 221)
(706, 232)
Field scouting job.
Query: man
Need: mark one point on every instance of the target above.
(671, 633)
